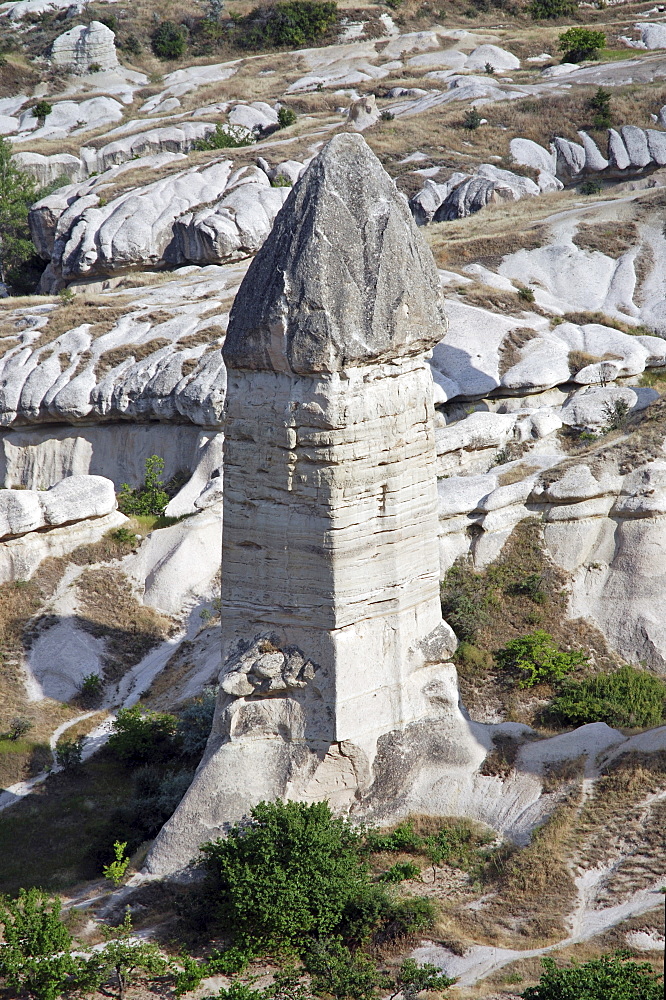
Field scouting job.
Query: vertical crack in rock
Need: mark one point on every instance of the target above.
(331, 614)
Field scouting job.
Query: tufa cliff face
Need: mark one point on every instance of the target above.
(334, 640)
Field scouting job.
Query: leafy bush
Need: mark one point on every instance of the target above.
(600, 105)
(140, 736)
(115, 870)
(616, 414)
(290, 874)
(605, 978)
(155, 794)
(68, 753)
(540, 10)
(126, 960)
(123, 535)
(531, 586)
(226, 137)
(17, 193)
(35, 954)
(286, 117)
(18, 728)
(195, 724)
(629, 698)
(340, 973)
(401, 872)
(41, 110)
(465, 615)
(590, 187)
(413, 979)
(151, 498)
(387, 116)
(169, 40)
(403, 838)
(291, 23)
(536, 659)
(472, 119)
(280, 181)
(578, 44)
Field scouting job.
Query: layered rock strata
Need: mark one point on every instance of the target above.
(335, 647)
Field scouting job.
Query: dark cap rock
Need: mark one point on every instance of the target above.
(345, 277)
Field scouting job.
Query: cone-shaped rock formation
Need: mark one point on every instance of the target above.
(334, 681)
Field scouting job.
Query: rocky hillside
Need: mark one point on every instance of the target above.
(159, 143)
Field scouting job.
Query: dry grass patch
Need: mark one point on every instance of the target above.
(138, 352)
(497, 300)
(511, 346)
(110, 611)
(101, 316)
(610, 238)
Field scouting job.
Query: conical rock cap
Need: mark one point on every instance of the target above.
(345, 277)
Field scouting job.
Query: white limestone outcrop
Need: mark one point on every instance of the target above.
(85, 48)
(73, 499)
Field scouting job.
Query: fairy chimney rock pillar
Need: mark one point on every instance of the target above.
(331, 618)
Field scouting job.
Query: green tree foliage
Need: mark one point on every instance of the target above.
(605, 978)
(629, 698)
(151, 498)
(115, 870)
(169, 40)
(17, 193)
(286, 117)
(291, 873)
(195, 723)
(140, 736)
(68, 753)
(226, 137)
(413, 979)
(125, 960)
(578, 44)
(472, 120)
(536, 659)
(600, 105)
(543, 10)
(291, 23)
(41, 110)
(339, 973)
(35, 954)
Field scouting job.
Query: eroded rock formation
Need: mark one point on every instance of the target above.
(335, 683)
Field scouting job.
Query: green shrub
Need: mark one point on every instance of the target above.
(403, 838)
(401, 872)
(124, 536)
(226, 137)
(68, 753)
(286, 117)
(472, 120)
(578, 44)
(18, 728)
(591, 187)
(169, 40)
(472, 661)
(115, 870)
(291, 23)
(41, 110)
(541, 10)
(536, 659)
(600, 105)
(131, 45)
(195, 723)
(17, 193)
(605, 978)
(387, 116)
(290, 874)
(531, 586)
(629, 698)
(338, 972)
(465, 614)
(35, 954)
(616, 414)
(526, 294)
(151, 498)
(281, 182)
(413, 979)
(140, 736)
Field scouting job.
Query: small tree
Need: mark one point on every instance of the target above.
(286, 117)
(339, 973)
(536, 659)
(169, 40)
(578, 44)
(600, 105)
(17, 192)
(68, 753)
(605, 978)
(414, 979)
(115, 871)
(151, 498)
(472, 119)
(127, 960)
(35, 955)
(141, 737)
(41, 110)
(542, 10)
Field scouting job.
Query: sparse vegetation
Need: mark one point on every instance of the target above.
(227, 137)
(535, 659)
(551, 9)
(291, 23)
(150, 498)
